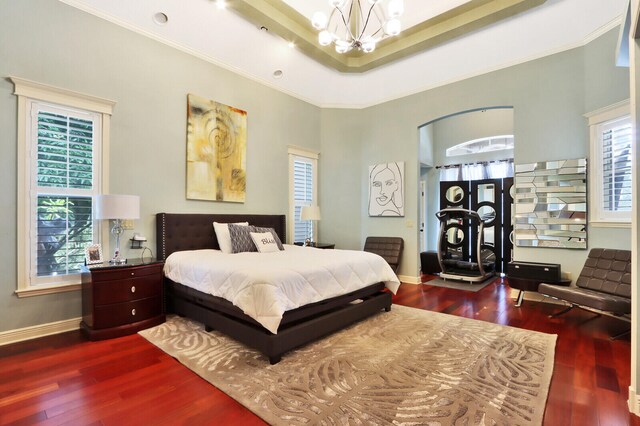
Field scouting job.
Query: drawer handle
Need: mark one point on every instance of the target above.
(133, 273)
(133, 312)
(133, 289)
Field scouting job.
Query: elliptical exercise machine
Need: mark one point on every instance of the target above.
(450, 254)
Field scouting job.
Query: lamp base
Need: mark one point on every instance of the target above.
(118, 261)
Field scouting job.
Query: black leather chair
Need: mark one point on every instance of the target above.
(604, 285)
(390, 248)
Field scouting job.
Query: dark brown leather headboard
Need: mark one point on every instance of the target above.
(194, 231)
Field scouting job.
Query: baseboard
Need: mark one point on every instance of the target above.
(634, 401)
(407, 279)
(33, 332)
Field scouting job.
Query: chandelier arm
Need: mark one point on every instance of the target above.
(374, 34)
(346, 24)
(330, 20)
(366, 22)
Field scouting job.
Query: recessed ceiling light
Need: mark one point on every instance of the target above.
(221, 4)
(160, 18)
(278, 74)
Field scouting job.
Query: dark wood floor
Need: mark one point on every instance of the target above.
(64, 379)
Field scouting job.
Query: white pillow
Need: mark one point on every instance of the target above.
(264, 241)
(222, 233)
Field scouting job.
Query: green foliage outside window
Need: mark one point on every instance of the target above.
(64, 222)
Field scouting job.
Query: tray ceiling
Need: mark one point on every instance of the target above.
(424, 27)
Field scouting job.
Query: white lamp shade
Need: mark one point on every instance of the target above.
(117, 207)
(310, 213)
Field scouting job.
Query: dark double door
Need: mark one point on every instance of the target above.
(492, 199)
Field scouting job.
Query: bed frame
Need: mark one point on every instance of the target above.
(300, 326)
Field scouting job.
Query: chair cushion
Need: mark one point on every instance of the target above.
(607, 271)
(587, 297)
(390, 248)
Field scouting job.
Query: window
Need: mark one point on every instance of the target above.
(610, 166)
(303, 178)
(61, 137)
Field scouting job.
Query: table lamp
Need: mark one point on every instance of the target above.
(310, 213)
(118, 208)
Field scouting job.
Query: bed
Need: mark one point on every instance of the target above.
(188, 232)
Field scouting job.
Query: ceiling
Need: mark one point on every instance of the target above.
(234, 40)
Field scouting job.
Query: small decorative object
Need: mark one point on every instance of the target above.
(117, 207)
(93, 254)
(216, 151)
(386, 193)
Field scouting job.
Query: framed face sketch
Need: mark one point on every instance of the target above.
(386, 189)
(93, 254)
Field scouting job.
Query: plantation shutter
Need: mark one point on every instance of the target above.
(616, 166)
(65, 186)
(303, 196)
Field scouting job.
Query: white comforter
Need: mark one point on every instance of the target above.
(265, 285)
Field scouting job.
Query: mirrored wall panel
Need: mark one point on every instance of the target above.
(551, 204)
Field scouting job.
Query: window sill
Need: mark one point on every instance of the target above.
(43, 290)
(609, 224)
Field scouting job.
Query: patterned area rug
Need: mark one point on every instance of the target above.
(404, 367)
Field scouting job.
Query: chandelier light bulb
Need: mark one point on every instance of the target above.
(395, 8)
(337, 3)
(325, 38)
(368, 46)
(319, 21)
(392, 27)
(342, 46)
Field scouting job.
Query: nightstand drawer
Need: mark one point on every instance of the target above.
(125, 272)
(126, 313)
(107, 292)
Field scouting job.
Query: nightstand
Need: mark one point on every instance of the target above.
(318, 245)
(121, 299)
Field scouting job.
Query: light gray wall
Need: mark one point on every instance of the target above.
(51, 43)
(340, 178)
(426, 146)
(549, 96)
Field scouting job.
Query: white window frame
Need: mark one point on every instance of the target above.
(30, 93)
(312, 156)
(598, 217)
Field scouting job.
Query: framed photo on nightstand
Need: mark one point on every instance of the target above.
(93, 254)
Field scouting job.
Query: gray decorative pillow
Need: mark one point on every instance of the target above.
(241, 240)
(273, 231)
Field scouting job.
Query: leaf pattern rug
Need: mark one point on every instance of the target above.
(404, 367)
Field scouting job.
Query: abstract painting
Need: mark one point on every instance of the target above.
(216, 151)
(386, 189)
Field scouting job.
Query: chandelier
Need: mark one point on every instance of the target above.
(352, 25)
